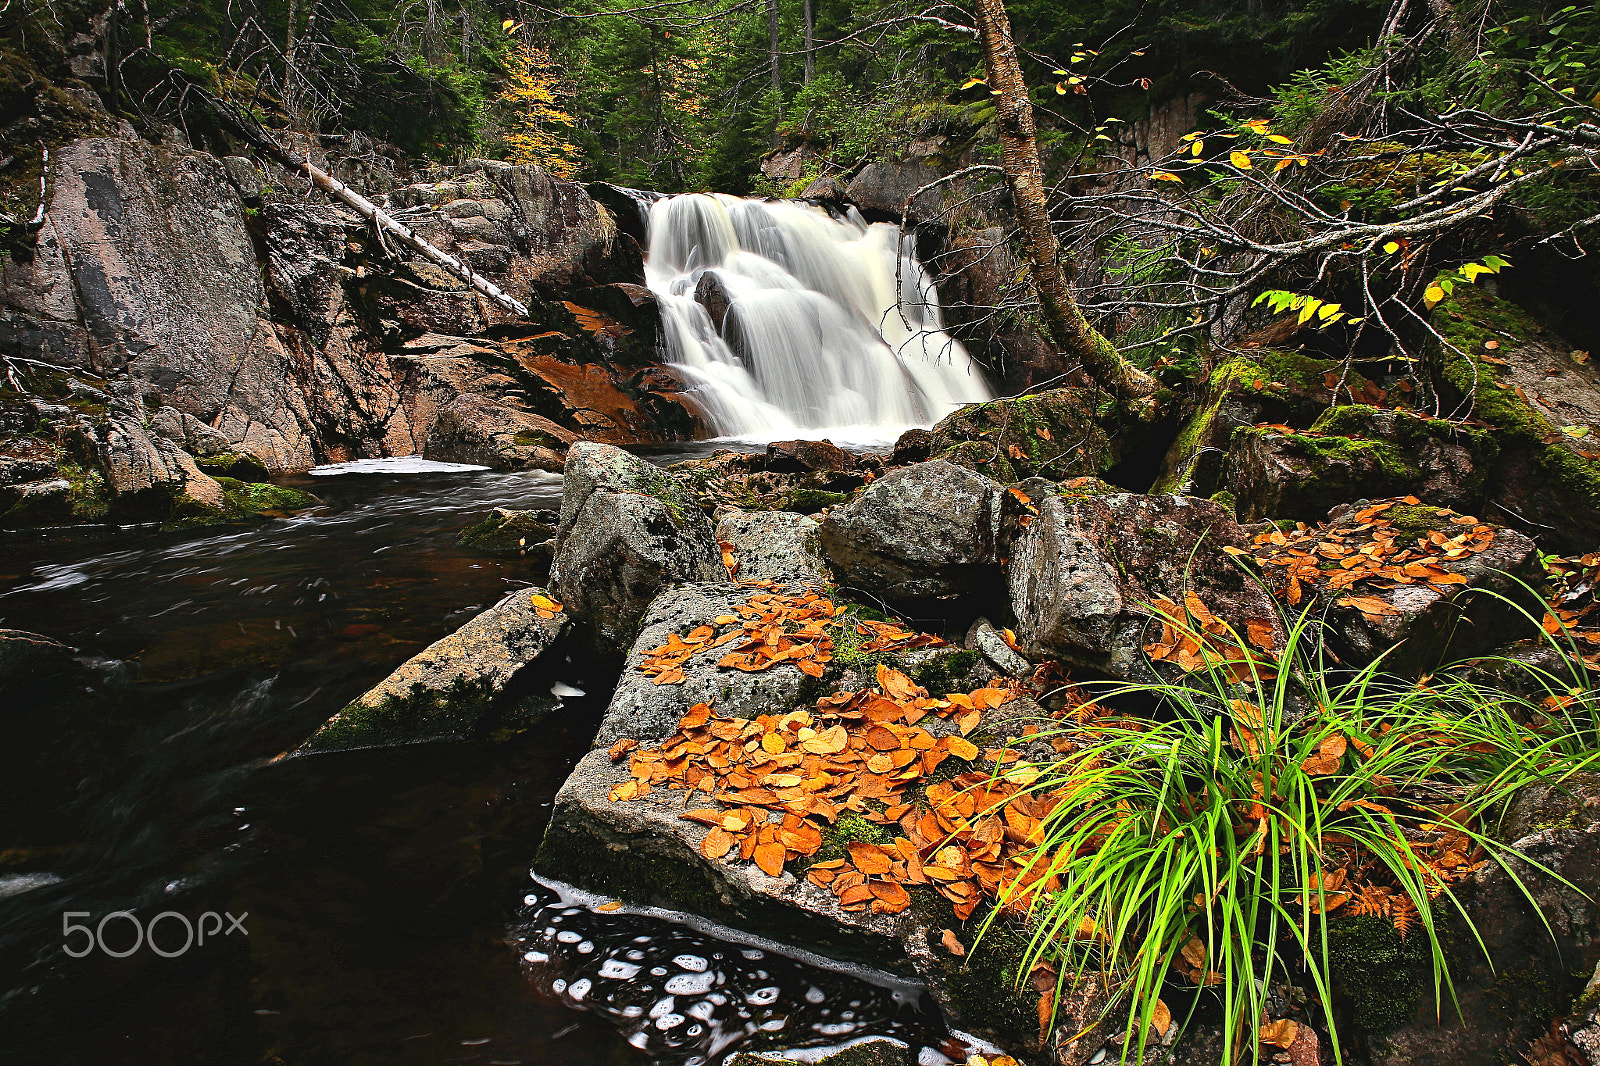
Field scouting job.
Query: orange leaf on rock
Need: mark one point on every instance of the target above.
(718, 842)
(961, 748)
(1280, 1033)
(868, 859)
(622, 747)
(770, 858)
(952, 943)
(891, 898)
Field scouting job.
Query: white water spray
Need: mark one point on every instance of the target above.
(831, 328)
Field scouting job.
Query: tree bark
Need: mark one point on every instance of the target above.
(1069, 330)
(811, 41)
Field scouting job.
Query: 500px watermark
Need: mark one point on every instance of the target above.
(171, 924)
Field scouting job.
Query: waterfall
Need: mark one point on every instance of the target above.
(824, 326)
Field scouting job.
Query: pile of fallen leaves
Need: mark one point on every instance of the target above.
(1195, 639)
(1363, 552)
(1574, 605)
(773, 627)
(782, 780)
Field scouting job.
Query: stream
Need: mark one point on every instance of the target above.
(381, 904)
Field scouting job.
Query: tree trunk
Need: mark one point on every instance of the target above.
(1068, 328)
(775, 43)
(811, 42)
(291, 59)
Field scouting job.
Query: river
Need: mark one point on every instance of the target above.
(384, 903)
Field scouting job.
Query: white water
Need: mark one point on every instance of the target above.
(833, 327)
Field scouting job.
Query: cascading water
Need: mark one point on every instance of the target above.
(825, 325)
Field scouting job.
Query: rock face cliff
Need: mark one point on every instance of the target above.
(172, 301)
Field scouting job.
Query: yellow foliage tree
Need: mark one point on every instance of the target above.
(534, 121)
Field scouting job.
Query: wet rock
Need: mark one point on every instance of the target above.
(932, 529)
(1055, 434)
(1085, 571)
(795, 456)
(478, 429)
(1354, 452)
(46, 502)
(643, 851)
(826, 189)
(627, 531)
(913, 446)
(770, 481)
(710, 293)
(872, 1051)
(1429, 627)
(776, 546)
(1263, 385)
(980, 270)
(29, 658)
(1583, 1027)
(448, 690)
(882, 188)
(1536, 973)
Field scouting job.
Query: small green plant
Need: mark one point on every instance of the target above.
(1309, 307)
(1445, 283)
(1204, 850)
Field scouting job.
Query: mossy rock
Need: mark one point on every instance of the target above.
(1355, 451)
(1541, 477)
(243, 501)
(1266, 385)
(1058, 434)
(234, 465)
(510, 533)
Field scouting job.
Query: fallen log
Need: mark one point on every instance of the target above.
(384, 223)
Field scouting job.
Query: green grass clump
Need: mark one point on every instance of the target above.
(1225, 819)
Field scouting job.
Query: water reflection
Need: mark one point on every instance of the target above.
(687, 993)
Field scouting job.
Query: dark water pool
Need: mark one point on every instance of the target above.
(386, 898)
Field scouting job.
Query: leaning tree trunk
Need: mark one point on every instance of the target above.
(1064, 320)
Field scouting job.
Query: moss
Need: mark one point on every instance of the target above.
(261, 497)
(1226, 500)
(851, 828)
(940, 674)
(423, 715)
(985, 986)
(243, 501)
(232, 464)
(1057, 434)
(810, 501)
(1381, 973)
(506, 533)
(1410, 522)
(88, 497)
